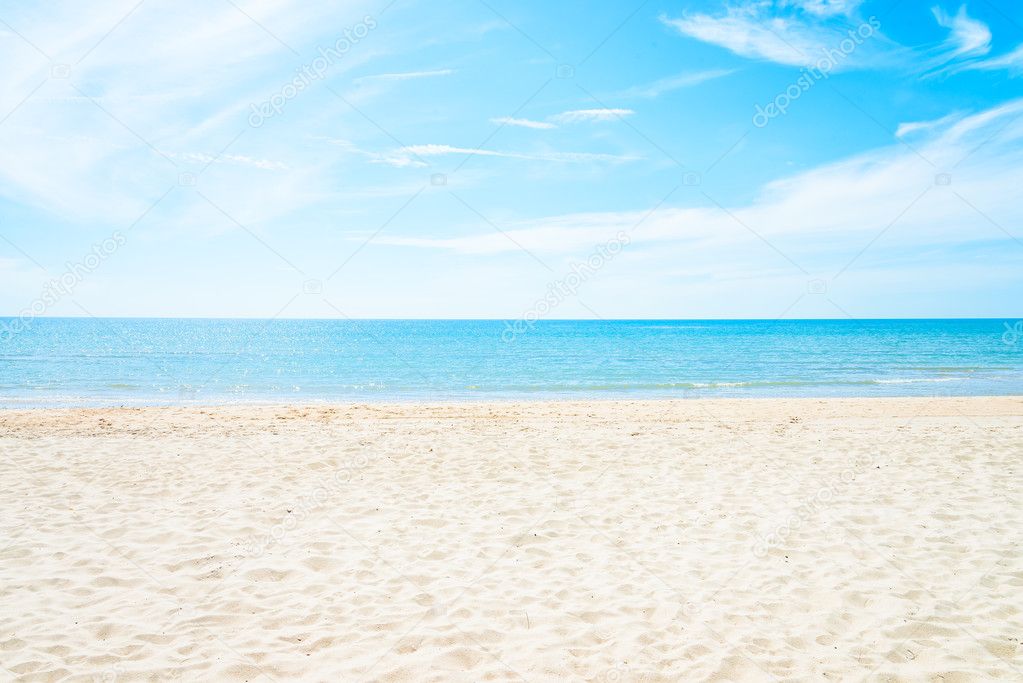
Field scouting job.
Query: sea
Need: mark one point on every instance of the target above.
(46, 362)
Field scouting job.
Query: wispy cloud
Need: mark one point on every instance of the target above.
(566, 117)
(677, 82)
(1011, 62)
(237, 159)
(968, 37)
(397, 159)
(581, 115)
(967, 44)
(748, 35)
(911, 128)
(403, 76)
(790, 32)
(414, 156)
(523, 123)
(407, 156)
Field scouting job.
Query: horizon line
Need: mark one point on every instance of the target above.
(541, 320)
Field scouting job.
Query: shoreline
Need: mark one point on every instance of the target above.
(509, 401)
(1007, 405)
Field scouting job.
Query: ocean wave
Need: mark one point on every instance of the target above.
(957, 368)
(906, 380)
(751, 384)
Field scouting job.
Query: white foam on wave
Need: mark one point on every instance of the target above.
(917, 380)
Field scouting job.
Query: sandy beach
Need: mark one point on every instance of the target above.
(720, 540)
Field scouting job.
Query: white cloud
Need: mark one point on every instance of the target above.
(1011, 62)
(677, 82)
(790, 33)
(566, 117)
(910, 128)
(968, 42)
(968, 37)
(239, 159)
(523, 123)
(409, 156)
(414, 156)
(581, 115)
(405, 76)
(397, 159)
(747, 35)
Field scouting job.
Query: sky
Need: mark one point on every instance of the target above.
(497, 159)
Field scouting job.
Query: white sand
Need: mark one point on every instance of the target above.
(644, 541)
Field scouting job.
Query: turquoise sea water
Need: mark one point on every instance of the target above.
(155, 361)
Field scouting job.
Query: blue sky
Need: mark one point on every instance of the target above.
(795, 158)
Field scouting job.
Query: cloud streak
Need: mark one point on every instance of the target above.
(592, 115)
(408, 156)
(523, 123)
(1012, 62)
(403, 76)
(671, 83)
(566, 118)
(238, 159)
